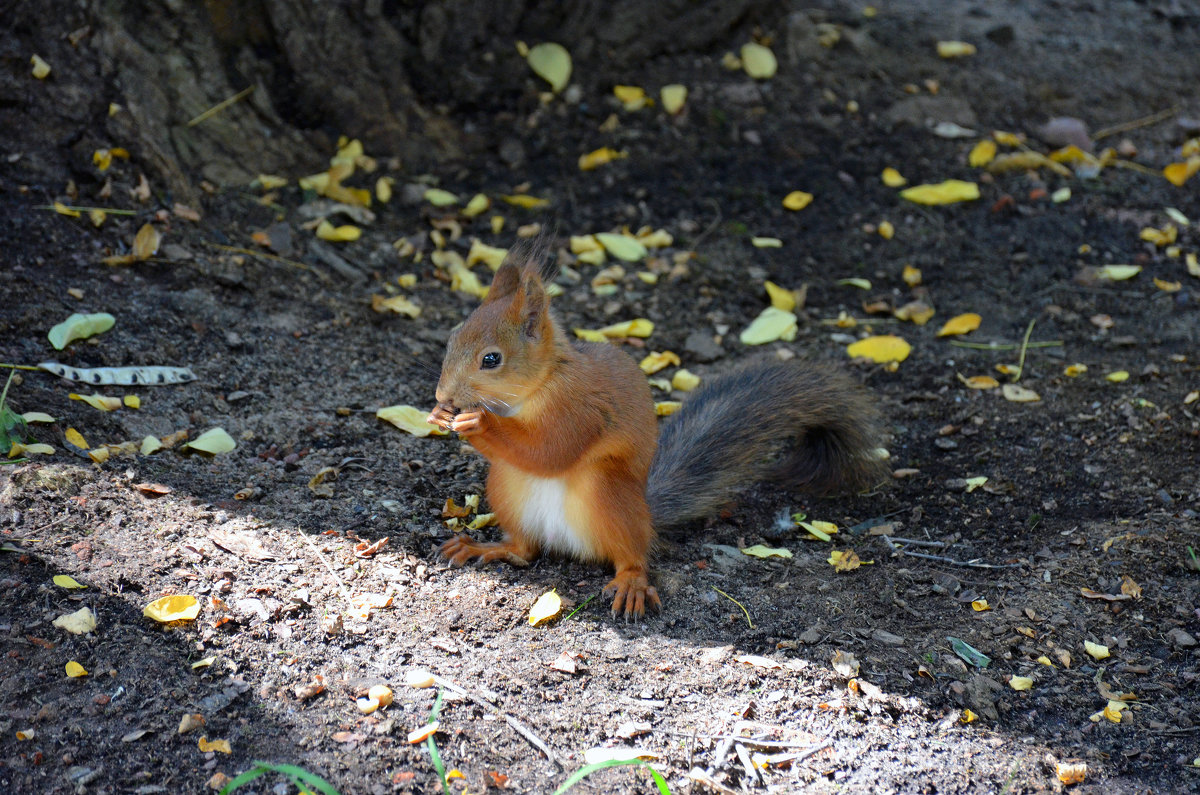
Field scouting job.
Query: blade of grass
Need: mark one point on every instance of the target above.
(298, 775)
(587, 770)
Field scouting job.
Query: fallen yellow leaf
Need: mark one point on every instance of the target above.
(76, 438)
(552, 63)
(665, 408)
(410, 419)
(207, 745)
(595, 159)
(1118, 273)
(1074, 370)
(771, 324)
(760, 551)
(526, 201)
(673, 97)
(948, 192)
(892, 178)
(75, 670)
(880, 349)
(96, 401)
(547, 607)
(684, 381)
(399, 304)
(180, 607)
(758, 61)
(492, 256)
(81, 622)
(631, 97)
(41, 69)
(1020, 683)
(797, 200)
(960, 324)
(214, 442)
(66, 581)
(979, 382)
(658, 360)
(955, 49)
(338, 234)
(780, 298)
(1019, 394)
(1117, 376)
(980, 605)
(1095, 650)
(982, 153)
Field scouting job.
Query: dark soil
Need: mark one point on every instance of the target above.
(1096, 483)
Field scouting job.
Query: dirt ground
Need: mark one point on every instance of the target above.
(1091, 492)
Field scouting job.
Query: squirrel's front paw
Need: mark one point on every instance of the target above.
(461, 548)
(467, 423)
(632, 593)
(441, 416)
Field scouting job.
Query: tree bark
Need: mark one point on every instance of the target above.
(397, 75)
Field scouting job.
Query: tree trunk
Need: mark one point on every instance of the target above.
(397, 75)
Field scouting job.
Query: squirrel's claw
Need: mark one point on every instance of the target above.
(460, 549)
(632, 593)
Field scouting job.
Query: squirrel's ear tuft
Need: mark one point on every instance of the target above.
(506, 282)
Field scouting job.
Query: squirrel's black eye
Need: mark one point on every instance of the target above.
(491, 360)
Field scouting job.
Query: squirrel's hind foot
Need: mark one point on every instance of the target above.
(632, 593)
(460, 549)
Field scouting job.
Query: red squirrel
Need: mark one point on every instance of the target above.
(578, 465)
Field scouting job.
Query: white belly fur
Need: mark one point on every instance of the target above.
(544, 517)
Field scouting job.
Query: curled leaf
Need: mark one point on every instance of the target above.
(552, 63)
(78, 327)
(180, 607)
(760, 551)
(547, 607)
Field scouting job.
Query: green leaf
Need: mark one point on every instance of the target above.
(969, 653)
(79, 327)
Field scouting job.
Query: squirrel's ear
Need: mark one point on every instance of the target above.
(506, 282)
(532, 308)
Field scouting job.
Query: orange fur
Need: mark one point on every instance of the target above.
(570, 433)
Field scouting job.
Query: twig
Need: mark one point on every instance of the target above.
(1004, 346)
(943, 559)
(1145, 121)
(916, 542)
(746, 740)
(736, 602)
(108, 210)
(700, 777)
(743, 756)
(263, 255)
(19, 366)
(517, 726)
(711, 227)
(1024, 348)
(220, 106)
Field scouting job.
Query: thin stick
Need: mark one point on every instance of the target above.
(1004, 346)
(943, 559)
(1024, 348)
(1145, 121)
(108, 210)
(19, 366)
(736, 602)
(919, 543)
(220, 106)
(517, 726)
(746, 740)
(264, 255)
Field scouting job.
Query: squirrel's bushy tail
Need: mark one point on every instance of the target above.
(809, 428)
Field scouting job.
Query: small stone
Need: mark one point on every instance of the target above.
(1181, 639)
